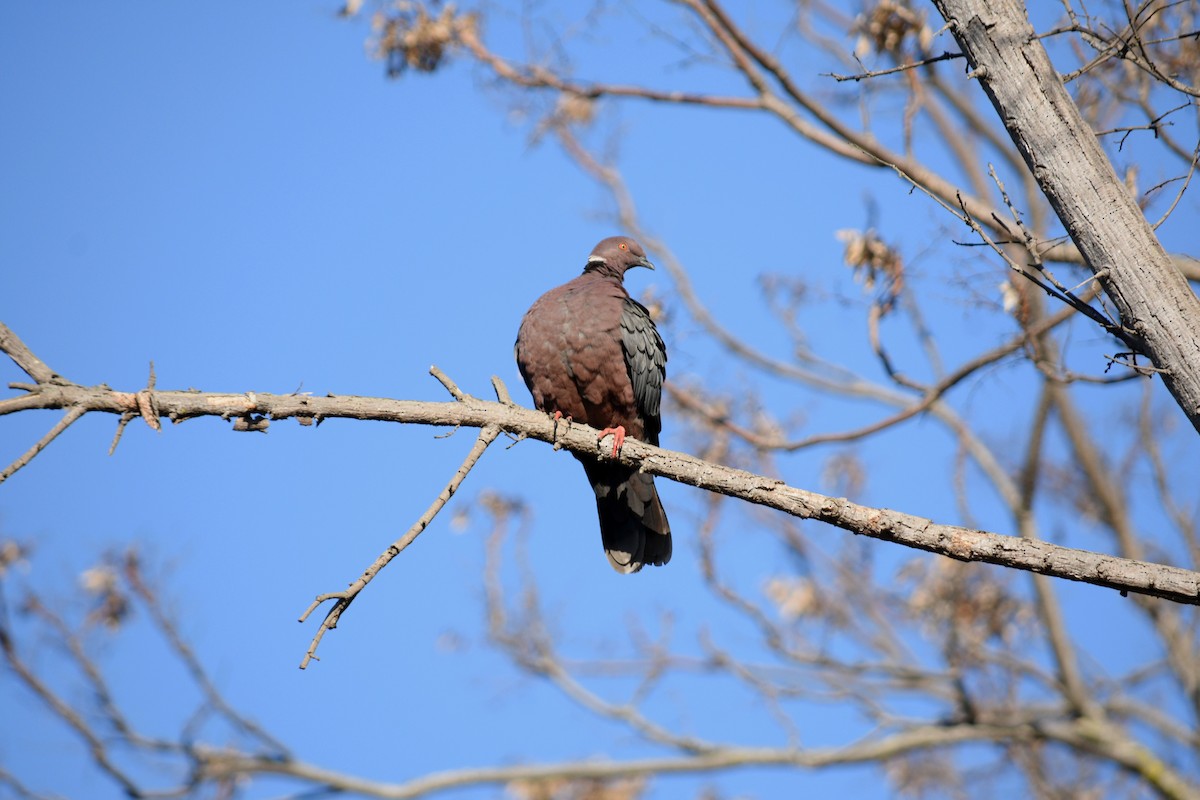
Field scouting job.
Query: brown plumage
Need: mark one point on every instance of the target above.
(589, 351)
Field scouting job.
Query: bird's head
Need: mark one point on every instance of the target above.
(616, 254)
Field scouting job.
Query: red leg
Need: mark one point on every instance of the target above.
(618, 434)
(557, 416)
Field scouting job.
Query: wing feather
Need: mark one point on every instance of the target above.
(646, 360)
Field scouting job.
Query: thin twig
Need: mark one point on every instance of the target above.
(121, 423)
(932, 394)
(862, 76)
(964, 214)
(343, 599)
(1179, 195)
(64, 423)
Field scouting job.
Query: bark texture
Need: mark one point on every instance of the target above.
(255, 411)
(1159, 314)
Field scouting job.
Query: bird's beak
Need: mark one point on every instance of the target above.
(643, 262)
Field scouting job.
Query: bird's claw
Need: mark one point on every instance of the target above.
(557, 416)
(618, 434)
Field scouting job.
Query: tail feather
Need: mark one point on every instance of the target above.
(633, 524)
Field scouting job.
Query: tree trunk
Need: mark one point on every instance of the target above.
(1159, 312)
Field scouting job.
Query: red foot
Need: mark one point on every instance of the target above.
(557, 416)
(618, 434)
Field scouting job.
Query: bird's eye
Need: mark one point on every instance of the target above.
(624, 246)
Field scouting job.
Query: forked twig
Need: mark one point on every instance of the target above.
(1052, 288)
(35, 368)
(343, 599)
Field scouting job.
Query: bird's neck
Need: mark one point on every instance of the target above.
(604, 271)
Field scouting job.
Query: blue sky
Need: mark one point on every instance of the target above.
(237, 193)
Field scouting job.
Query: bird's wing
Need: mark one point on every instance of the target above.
(646, 360)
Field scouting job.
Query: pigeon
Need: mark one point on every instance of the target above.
(590, 353)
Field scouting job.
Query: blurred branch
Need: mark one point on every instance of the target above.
(1128, 45)
(537, 77)
(932, 393)
(135, 579)
(94, 715)
(96, 742)
(774, 92)
(879, 749)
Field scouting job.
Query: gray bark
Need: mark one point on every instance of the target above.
(255, 411)
(1159, 314)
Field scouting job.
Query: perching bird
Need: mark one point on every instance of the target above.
(589, 352)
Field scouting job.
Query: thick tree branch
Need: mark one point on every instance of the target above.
(964, 544)
(1159, 312)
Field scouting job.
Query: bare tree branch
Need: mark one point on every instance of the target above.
(964, 544)
(870, 750)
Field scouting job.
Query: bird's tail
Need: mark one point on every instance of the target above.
(633, 524)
